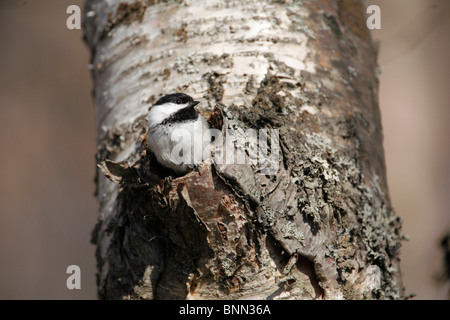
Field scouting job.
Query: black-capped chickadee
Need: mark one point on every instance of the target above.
(178, 135)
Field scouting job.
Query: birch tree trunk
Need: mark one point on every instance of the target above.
(321, 227)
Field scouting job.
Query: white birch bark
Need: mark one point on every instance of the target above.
(322, 227)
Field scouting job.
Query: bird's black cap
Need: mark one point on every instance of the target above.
(177, 98)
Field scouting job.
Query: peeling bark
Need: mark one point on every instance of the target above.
(322, 227)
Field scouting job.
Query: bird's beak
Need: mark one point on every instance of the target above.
(193, 103)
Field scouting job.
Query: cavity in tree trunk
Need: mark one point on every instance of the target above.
(320, 227)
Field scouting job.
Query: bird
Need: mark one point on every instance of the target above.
(178, 135)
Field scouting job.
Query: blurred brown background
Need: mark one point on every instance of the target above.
(47, 140)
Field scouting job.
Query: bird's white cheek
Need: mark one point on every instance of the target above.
(159, 113)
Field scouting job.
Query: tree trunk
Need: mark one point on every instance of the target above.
(321, 226)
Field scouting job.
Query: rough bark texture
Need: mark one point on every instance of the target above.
(322, 227)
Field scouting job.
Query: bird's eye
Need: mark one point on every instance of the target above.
(178, 101)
